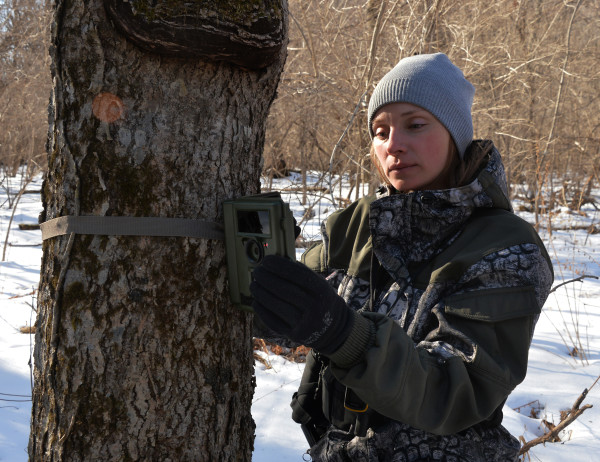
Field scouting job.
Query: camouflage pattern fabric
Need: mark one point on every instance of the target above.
(400, 443)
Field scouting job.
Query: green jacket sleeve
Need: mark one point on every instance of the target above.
(446, 394)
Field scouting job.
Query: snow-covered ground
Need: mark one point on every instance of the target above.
(570, 322)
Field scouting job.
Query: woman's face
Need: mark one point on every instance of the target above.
(412, 147)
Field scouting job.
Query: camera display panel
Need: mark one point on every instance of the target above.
(254, 222)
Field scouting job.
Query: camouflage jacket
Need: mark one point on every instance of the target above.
(451, 321)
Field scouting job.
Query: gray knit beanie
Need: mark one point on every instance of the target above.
(435, 84)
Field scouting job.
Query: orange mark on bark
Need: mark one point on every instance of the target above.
(108, 107)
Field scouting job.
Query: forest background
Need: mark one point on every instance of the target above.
(534, 64)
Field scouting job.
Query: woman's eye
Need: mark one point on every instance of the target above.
(381, 134)
(416, 123)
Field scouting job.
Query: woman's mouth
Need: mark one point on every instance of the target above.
(398, 167)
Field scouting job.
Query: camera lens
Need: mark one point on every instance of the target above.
(254, 250)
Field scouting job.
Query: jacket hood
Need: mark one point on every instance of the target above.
(408, 228)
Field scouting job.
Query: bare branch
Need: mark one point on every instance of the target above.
(566, 420)
(579, 279)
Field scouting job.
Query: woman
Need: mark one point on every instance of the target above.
(422, 326)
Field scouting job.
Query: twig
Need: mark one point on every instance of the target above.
(339, 142)
(309, 44)
(594, 384)
(19, 296)
(15, 396)
(274, 390)
(566, 420)
(556, 106)
(580, 278)
(368, 70)
(530, 403)
(12, 215)
(262, 360)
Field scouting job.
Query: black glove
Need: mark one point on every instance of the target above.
(294, 301)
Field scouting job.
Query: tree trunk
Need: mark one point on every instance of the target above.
(139, 354)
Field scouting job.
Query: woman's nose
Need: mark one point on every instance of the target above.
(396, 142)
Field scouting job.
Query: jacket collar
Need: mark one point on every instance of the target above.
(409, 228)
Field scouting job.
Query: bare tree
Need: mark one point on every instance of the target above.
(139, 354)
(24, 83)
(531, 62)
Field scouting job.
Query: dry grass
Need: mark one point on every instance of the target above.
(297, 355)
(27, 329)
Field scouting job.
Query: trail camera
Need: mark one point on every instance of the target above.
(255, 226)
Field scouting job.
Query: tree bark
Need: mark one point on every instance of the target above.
(139, 354)
(247, 33)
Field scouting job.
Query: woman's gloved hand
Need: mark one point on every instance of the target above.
(294, 301)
